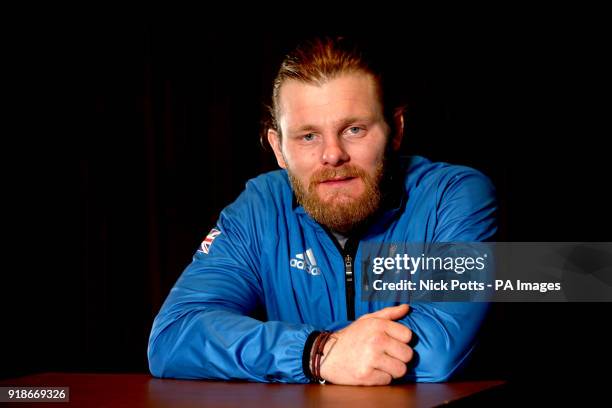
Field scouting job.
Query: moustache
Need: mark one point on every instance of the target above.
(347, 171)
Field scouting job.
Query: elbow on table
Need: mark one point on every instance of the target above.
(437, 375)
(158, 360)
(437, 366)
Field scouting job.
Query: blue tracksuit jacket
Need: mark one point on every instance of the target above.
(268, 253)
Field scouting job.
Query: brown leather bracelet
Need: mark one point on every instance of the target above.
(313, 357)
(318, 353)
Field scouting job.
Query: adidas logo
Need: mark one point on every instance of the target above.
(306, 262)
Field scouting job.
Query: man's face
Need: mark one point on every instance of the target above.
(333, 144)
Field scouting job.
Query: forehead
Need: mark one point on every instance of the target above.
(348, 95)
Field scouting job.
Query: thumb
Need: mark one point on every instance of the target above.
(391, 313)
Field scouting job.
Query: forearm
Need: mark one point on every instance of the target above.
(220, 344)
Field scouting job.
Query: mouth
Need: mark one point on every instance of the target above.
(337, 181)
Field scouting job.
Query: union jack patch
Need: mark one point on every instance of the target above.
(205, 246)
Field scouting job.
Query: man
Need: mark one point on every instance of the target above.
(289, 242)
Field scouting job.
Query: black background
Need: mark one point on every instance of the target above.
(130, 136)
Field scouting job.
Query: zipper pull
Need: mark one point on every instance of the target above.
(348, 268)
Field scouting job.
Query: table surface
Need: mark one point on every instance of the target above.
(142, 390)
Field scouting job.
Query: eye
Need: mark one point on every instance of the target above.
(354, 131)
(309, 137)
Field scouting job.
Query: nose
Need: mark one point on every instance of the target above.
(334, 153)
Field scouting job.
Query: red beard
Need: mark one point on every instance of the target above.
(336, 212)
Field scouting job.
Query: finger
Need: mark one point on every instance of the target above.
(392, 366)
(382, 313)
(390, 313)
(399, 350)
(378, 377)
(398, 331)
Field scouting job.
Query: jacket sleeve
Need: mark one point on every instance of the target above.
(445, 332)
(203, 330)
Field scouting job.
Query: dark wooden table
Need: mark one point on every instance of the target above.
(142, 390)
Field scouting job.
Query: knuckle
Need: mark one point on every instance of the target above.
(408, 335)
(409, 354)
(387, 379)
(401, 371)
(378, 339)
(404, 356)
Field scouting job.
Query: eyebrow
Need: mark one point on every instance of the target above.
(341, 124)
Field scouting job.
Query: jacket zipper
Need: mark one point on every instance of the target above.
(350, 287)
(348, 253)
(348, 258)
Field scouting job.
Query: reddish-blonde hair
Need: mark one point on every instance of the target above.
(322, 59)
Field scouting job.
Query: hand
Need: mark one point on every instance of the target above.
(372, 350)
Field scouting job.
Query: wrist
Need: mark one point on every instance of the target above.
(319, 352)
(307, 353)
(327, 349)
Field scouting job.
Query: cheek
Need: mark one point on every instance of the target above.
(369, 156)
(302, 164)
(301, 160)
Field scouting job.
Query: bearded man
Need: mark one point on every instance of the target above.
(289, 243)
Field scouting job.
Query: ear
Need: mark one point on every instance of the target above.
(398, 121)
(275, 143)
